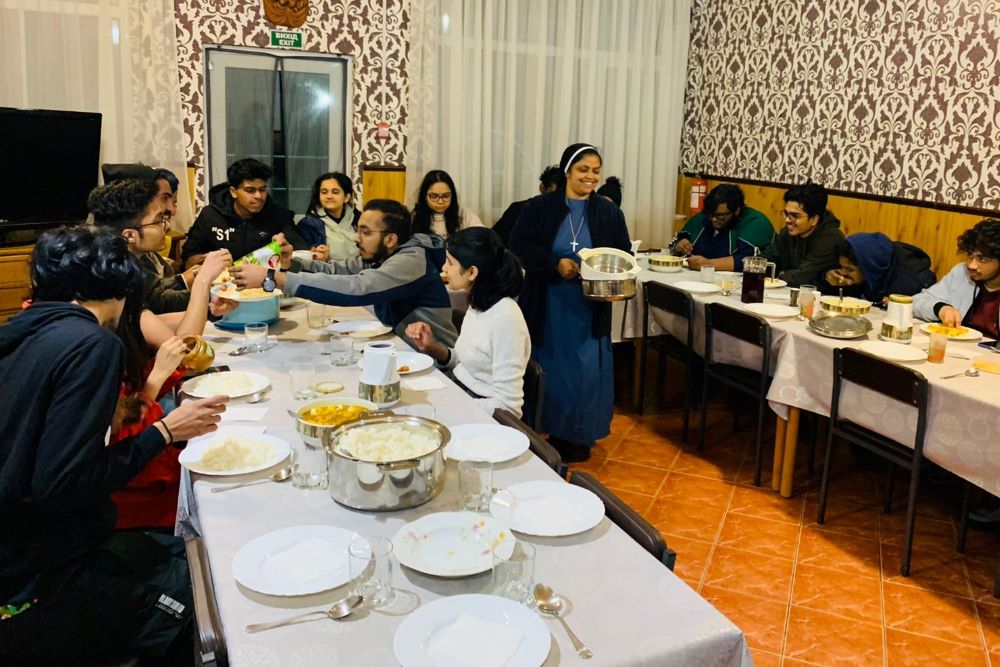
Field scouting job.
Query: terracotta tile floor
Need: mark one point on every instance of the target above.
(803, 593)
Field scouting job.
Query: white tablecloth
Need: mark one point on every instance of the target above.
(628, 607)
(963, 429)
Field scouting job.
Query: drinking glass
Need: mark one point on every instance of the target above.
(255, 337)
(475, 485)
(371, 570)
(936, 348)
(708, 274)
(309, 465)
(315, 315)
(301, 377)
(341, 350)
(513, 577)
(728, 285)
(807, 301)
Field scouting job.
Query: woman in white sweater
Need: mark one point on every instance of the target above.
(492, 351)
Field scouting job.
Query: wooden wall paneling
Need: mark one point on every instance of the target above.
(933, 230)
(383, 183)
(15, 279)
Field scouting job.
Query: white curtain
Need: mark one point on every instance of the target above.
(115, 57)
(498, 89)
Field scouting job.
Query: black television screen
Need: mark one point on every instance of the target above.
(49, 162)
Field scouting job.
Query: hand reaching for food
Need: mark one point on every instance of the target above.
(215, 263)
(949, 316)
(194, 418)
(568, 269)
(695, 262)
(683, 247)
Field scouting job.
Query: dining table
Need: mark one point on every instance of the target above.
(963, 426)
(623, 603)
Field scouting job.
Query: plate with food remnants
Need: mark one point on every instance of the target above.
(407, 362)
(229, 291)
(954, 333)
(233, 384)
(774, 283)
(360, 328)
(233, 450)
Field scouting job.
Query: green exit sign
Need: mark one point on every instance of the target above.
(287, 39)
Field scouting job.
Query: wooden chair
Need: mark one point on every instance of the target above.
(628, 519)
(755, 383)
(539, 446)
(534, 394)
(210, 643)
(896, 382)
(676, 302)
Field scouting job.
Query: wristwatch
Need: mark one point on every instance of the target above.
(269, 282)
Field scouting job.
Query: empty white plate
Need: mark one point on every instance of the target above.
(893, 351)
(451, 544)
(407, 362)
(697, 287)
(547, 509)
(485, 442)
(427, 637)
(360, 328)
(191, 457)
(774, 311)
(300, 560)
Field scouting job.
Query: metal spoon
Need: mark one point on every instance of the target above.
(972, 373)
(550, 603)
(340, 609)
(279, 476)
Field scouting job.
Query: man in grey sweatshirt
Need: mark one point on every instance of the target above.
(396, 271)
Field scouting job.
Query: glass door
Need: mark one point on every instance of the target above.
(287, 110)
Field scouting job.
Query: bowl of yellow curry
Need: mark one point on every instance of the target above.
(317, 419)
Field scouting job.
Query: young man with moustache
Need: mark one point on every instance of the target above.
(396, 271)
(806, 248)
(240, 216)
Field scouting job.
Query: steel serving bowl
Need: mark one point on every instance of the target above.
(609, 290)
(846, 306)
(608, 263)
(665, 263)
(382, 486)
(317, 435)
(840, 326)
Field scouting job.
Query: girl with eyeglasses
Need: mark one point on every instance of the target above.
(437, 210)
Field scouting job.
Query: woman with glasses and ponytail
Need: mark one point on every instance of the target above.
(437, 210)
(570, 336)
(492, 350)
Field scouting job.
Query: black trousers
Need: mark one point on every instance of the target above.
(132, 595)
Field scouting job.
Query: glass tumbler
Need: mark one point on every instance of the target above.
(255, 337)
(475, 485)
(370, 561)
(513, 574)
(302, 377)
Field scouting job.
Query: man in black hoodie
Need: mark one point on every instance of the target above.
(239, 217)
(69, 587)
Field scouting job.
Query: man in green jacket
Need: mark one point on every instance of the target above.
(807, 246)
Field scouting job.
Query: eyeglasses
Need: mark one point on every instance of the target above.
(364, 231)
(163, 219)
(721, 217)
(792, 215)
(433, 196)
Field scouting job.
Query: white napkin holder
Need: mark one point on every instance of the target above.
(379, 381)
(898, 324)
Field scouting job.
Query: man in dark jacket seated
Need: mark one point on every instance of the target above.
(70, 588)
(872, 267)
(240, 216)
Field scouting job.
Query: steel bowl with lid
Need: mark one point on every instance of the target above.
(840, 326)
(665, 263)
(847, 305)
(608, 274)
(387, 481)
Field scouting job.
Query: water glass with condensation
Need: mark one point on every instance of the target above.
(255, 337)
(475, 485)
(370, 562)
(514, 574)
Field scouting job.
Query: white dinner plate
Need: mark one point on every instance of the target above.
(970, 334)
(414, 362)
(451, 544)
(233, 384)
(893, 351)
(697, 287)
(360, 328)
(485, 442)
(424, 637)
(190, 458)
(547, 509)
(773, 311)
(774, 283)
(300, 560)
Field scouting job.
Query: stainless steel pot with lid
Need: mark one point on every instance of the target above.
(608, 274)
(390, 483)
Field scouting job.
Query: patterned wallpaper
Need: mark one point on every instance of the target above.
(373, 31)
(897, 98)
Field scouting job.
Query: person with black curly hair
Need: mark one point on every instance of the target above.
(969, 295)
(806, 246)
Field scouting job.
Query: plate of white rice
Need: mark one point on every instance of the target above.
(233, 384)
(233, 451)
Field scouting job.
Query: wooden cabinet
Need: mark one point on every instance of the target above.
(15, 279)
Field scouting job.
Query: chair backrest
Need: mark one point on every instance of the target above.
(739, 324)
(538, 445)
(628, 519)
(534, 394)
(893, 380)
(210, 640)
(670, 299)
